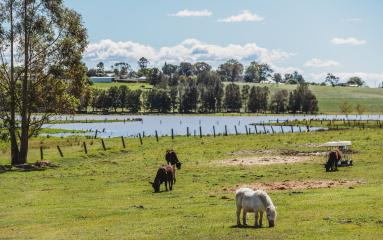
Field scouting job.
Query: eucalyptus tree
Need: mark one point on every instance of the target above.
(41, 48)
(230, 71)
(233, 100)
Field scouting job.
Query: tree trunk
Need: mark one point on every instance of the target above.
(24, 95)
(12, 121)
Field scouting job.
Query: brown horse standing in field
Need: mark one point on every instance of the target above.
(333, 158)
(164, 174)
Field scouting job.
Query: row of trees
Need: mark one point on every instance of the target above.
(230, 71)
(210, 97)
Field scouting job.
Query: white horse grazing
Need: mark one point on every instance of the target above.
(257, 202)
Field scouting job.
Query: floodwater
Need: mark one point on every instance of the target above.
(165, 125)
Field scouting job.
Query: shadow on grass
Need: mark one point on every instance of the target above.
(24, 168)
(243, 226)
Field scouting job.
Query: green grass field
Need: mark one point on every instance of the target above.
(106, 195)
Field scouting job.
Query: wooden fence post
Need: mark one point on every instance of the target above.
(187, 131)
(60, 152)
(214, 130)
(41, 153)
(200, 131)
(225, 130)
(247, 130)
(172, 133)
(156, 135)
(123, 142)
(139, 135)
(95, 135)
(256, 130)
(85, 149)
(282, 130)
(103, 144)
(236, 131)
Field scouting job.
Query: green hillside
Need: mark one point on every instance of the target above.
(330, 98)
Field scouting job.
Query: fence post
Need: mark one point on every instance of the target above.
(85, 149)
(225, 130)
(156, 135)
(282, 129)
(292, 128)
(300, 129)
(139, 135)
(60, 152)
(256, 130)
(41, 153)
(95, 135)
(264, 128)
(272, 129)
(236, 131)
(187, 131)
(172, 133)
(123, 141)
(200, 131)
(247, 130)
(103, 144)
(214, 130)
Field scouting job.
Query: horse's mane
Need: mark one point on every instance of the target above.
(265, 198)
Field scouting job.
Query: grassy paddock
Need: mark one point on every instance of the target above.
(106, 195)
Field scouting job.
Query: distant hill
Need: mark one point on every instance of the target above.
(330, 98)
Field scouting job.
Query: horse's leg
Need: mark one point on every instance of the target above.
(174, 174)
(166, 185)
(260, 218)
(171, 184)
(244, 217)
(238, 215)
(256, 218)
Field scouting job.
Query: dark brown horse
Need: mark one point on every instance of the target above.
(333, 158)
(164, 174)
(172, 159)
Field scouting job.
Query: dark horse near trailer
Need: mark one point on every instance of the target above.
(165, 174)
(333, 159)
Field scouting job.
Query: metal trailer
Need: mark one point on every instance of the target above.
(345, 148)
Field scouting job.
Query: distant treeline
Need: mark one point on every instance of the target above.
(208, 97)
(196, 88)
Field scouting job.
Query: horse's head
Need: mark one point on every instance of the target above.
(156, 186)
(271, 215)
(178, 165)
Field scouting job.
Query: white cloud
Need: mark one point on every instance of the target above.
(371, 79)
(192, 13)
(190, 50)
(245, 16)
(318, 63)
(348, 41)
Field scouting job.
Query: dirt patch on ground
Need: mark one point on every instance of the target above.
(295, 185)
(264, 160)
(284, 152)
(250, 152)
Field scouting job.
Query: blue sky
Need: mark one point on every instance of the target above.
(314, 37)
